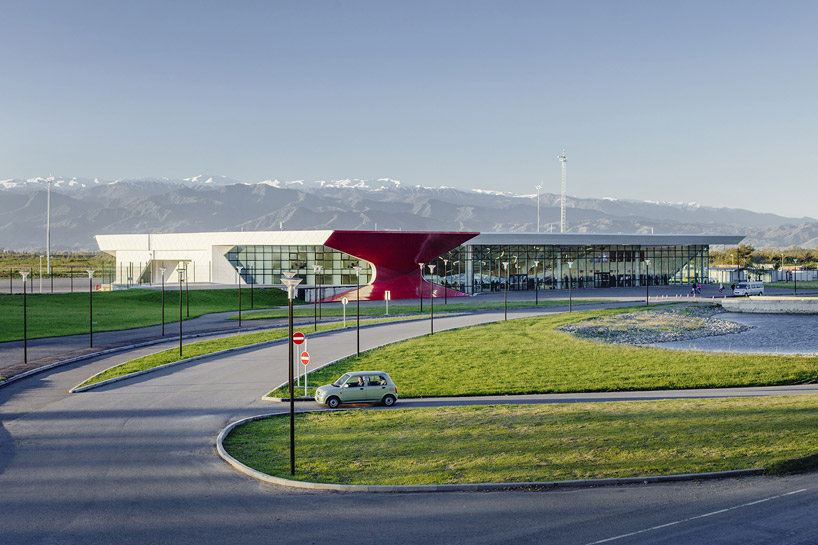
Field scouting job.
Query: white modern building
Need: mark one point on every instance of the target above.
(407, 263)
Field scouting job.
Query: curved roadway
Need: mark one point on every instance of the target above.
(134, 462)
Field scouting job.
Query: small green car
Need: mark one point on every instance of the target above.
(359, 387)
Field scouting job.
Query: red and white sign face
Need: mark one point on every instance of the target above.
(299, 337)
(305, 358)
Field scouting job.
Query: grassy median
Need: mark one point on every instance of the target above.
(54, 315)
(802, 284)
(528, 355)
(536, 443)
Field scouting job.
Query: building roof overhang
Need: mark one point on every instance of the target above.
(600, 239)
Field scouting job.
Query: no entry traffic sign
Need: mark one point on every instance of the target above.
(305, 358)
(299, 337)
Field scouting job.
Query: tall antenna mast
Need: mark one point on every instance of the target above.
(538, 206)
(49, 181)
(563, 160)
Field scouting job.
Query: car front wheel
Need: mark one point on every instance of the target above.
(333, 402)
(388, 400)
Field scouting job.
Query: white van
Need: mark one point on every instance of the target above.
(749, 288)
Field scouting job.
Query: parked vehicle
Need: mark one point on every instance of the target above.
(359, 387)
(749, 288)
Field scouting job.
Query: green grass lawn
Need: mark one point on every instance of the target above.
(51, 315)
(529, 356)
(206, 347)
(807, 284)
(335, 309)
(536, 443)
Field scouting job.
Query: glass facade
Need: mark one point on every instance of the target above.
(481, 268)
(265, 265)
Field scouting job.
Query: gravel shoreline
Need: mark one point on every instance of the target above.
(646, 327)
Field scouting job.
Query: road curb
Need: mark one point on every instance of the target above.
(475, 487)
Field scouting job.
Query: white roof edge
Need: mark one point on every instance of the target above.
(580, 239)
(199, 241)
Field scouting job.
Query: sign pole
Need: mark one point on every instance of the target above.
(305, 359)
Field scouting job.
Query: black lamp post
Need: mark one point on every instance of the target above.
(505, 296)
(291, 283)
(795, 276)
(24, 274)
(357, 270)
(647, 282)
(187, 293)
(91, 306)
(253, 277)
(432, 301)
(181, 272)
(238, 283)
(162, 270)
(315, 270)
(536, 283)
(445, 277)
(570, 281)
(420, 279)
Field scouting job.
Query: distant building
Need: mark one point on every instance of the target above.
(464, 262)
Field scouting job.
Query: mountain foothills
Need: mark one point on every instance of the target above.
(82, 208)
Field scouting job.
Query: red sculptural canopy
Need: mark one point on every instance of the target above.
(395, 256)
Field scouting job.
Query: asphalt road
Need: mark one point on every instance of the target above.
(135, 462)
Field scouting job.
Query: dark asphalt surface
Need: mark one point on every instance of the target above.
(135, 462)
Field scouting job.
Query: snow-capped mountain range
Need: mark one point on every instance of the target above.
(84, 207)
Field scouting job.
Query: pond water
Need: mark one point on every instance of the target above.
(771, 333)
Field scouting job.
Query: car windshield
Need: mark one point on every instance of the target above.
(341, 380)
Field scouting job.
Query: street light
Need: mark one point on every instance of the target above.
(445, 277)
(647, 283)
(795, 276)
(24, 274)
(432, 300)
(315, 270)
(41, 274)
(357, 270)
(162, 270)
(505, 297)
(536, 283)
(291, 283)
(238, 283)
(187, 291)
(570, 281)
(90, 306)
(181, 273)
(538, 207)
(420, 278)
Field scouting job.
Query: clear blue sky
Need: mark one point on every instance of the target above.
(713, 102)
